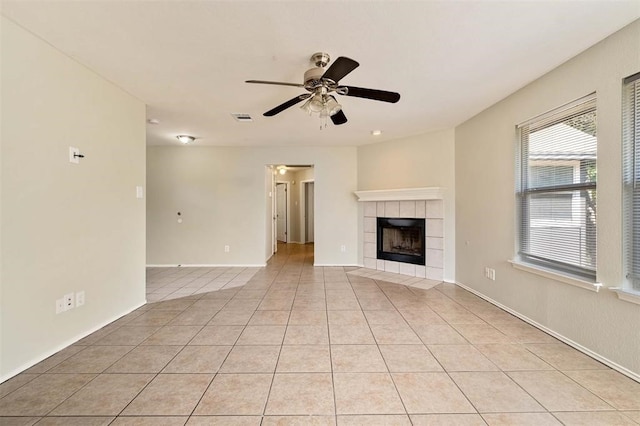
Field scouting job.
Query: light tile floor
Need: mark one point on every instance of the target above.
(176, 282)
(308, 345)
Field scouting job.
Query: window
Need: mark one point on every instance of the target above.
(631, 141)
(556, 189)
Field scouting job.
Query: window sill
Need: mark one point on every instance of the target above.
(556, 276)
(627, 294)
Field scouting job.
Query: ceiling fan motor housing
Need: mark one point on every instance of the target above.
(313, 78)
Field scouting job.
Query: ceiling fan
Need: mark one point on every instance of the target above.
(320, 82)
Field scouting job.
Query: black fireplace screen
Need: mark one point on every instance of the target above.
(401, 240)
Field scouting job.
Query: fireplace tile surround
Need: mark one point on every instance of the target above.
(432, 210)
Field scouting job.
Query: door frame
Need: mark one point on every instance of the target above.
(303, 208)
(287, 210)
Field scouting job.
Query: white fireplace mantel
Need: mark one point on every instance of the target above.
(431, 193)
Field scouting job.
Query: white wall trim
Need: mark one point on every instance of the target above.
(346, 265)
(65, 344)
(556, 276)
(558, 336)
(627, 294)
(406, 194)
(207, 265)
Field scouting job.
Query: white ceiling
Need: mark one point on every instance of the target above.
(188, 60)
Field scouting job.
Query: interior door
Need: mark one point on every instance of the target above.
(309, 219)
(281, 212)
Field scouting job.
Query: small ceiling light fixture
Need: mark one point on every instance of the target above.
(153, 121)
(376, 132)
(185, 139)
(282, 169)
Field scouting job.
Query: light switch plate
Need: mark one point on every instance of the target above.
(79, 298)
(60, 306)
(139, 192)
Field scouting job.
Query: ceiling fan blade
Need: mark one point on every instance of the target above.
(288, 104)
(339, 118)
(277, 83)
(376, 95)
(341, 67)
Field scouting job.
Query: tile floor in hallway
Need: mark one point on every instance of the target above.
(310, 345)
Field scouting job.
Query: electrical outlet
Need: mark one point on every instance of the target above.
(60, 306)
(79, 298)
(343, 248)
(227, 249)
(69, 301)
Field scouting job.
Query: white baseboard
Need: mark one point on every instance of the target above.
(65, 344)
(206, 265)
(336, 264)
(586, 351)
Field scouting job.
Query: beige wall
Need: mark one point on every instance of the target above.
(420, 161)
(486, 209)
(220, 192)
(65, 227)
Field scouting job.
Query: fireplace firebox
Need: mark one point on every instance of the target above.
(401, 240)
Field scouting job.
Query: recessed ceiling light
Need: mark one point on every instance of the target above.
(376, 132)
(185, 139)
(153, 121)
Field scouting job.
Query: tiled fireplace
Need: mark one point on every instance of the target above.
(414, 203)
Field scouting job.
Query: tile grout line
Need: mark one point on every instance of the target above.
(275, 367)
(395, 385)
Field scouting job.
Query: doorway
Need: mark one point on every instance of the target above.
(281, 212)
(288, 198)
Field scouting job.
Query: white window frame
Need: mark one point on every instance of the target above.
(524, 261)
(630, 290)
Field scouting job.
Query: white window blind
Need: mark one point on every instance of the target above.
(556, 189)
(631, 159)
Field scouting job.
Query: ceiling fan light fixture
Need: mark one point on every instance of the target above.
(305, 106)
(332, 107)
(317, 103)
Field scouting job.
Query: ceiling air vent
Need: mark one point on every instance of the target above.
(243, 118)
